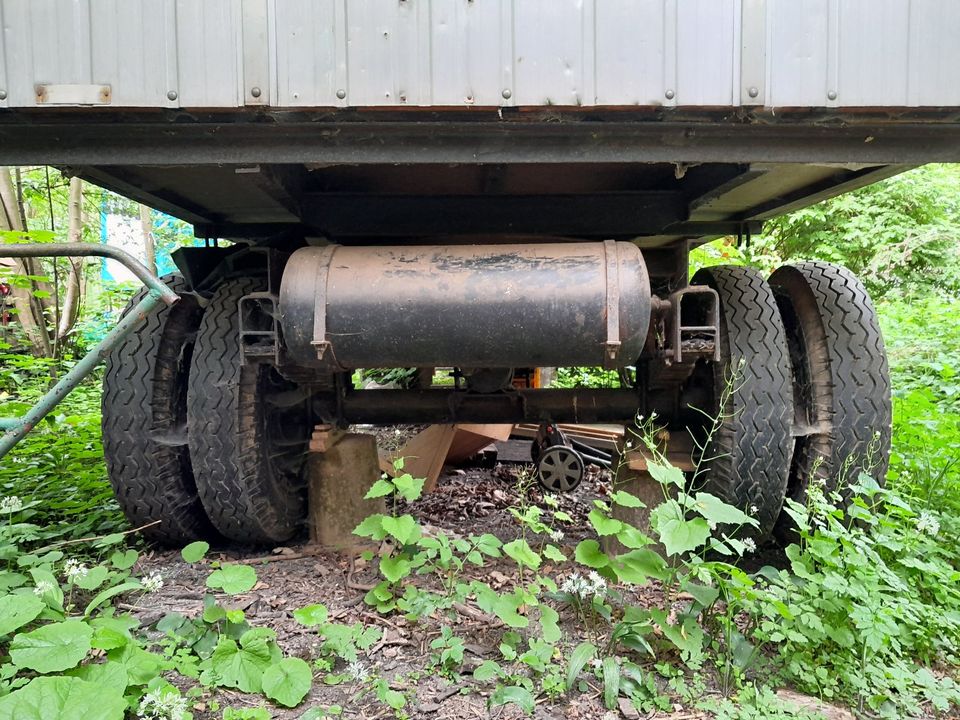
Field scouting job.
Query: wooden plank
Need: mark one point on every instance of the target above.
(424, 454)
(471, 439)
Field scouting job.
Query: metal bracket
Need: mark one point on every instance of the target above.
(680, 332)
(612, 345)
(320, 341)
(259, 341)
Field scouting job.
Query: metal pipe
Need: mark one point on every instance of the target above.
(17, 428)
(89, 250)
(388, 407)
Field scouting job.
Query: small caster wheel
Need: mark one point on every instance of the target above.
(560, 469)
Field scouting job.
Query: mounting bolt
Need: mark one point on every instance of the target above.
(255, 92)
(753, 92)
(3, 94)
(832, 95)
(341, 93)
(172, 95)
(670, 94)
(507, 94)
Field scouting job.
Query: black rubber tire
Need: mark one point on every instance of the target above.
(248, 497)
(749, 454)
(145, 419)
(841, 379)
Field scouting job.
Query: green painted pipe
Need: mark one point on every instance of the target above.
(17, 428)
(14, 429)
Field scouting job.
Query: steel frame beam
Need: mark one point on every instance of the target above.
(142, 140)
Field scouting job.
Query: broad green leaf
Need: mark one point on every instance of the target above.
(52, 648)
(589, 553)
(515, 695)
(582, 654)
(486, 671)
(381, 488)
(233, 579)
(637, 566)
(107, 638)
(522, 553)
(507, 607)
(17, 610)
(632, 538)
(63, 698)
(93, 578)
(705, 595)
(625, 499)
(124, 560)
(611, 682)
(409, 487)
(549, 624)
(394, 568)
(666, 474)
(394, 698)
(195, 551)
(243, 666)
(311, 615)
(142, 666)
(404, 528)
(372, 527)
(604, 525)
(288, 681)
(552, 552)
(110, 675)
(718, 512)
(678, 534)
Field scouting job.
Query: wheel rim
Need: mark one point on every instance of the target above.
(560, 469)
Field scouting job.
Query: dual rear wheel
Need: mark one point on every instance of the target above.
(801, 392)
(198, 443)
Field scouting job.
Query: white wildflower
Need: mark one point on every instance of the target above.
(11, 504)
(556, 535)
(928, 523)
(162, 705)
(43, 587)
(573, 584)
(584, 588)
(598, 586)
(754, 509)
(152, 583)
(358, 672)
(74, 570)
(749, 545)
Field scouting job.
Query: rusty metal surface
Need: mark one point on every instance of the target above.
(533, 305)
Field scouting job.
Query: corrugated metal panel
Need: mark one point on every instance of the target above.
(630, 52)
(553, 52)
(934, 59)
(307, 39)
(323, 53)
(209, 53)
(707, 39)
(797, 52)
(129, 48)
(471, 56)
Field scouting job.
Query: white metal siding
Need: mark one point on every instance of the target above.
(330, 53)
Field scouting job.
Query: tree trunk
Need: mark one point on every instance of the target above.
(71, 297)
(29, 309)
(149, 246)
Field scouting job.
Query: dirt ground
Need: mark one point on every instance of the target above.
(467, 501)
